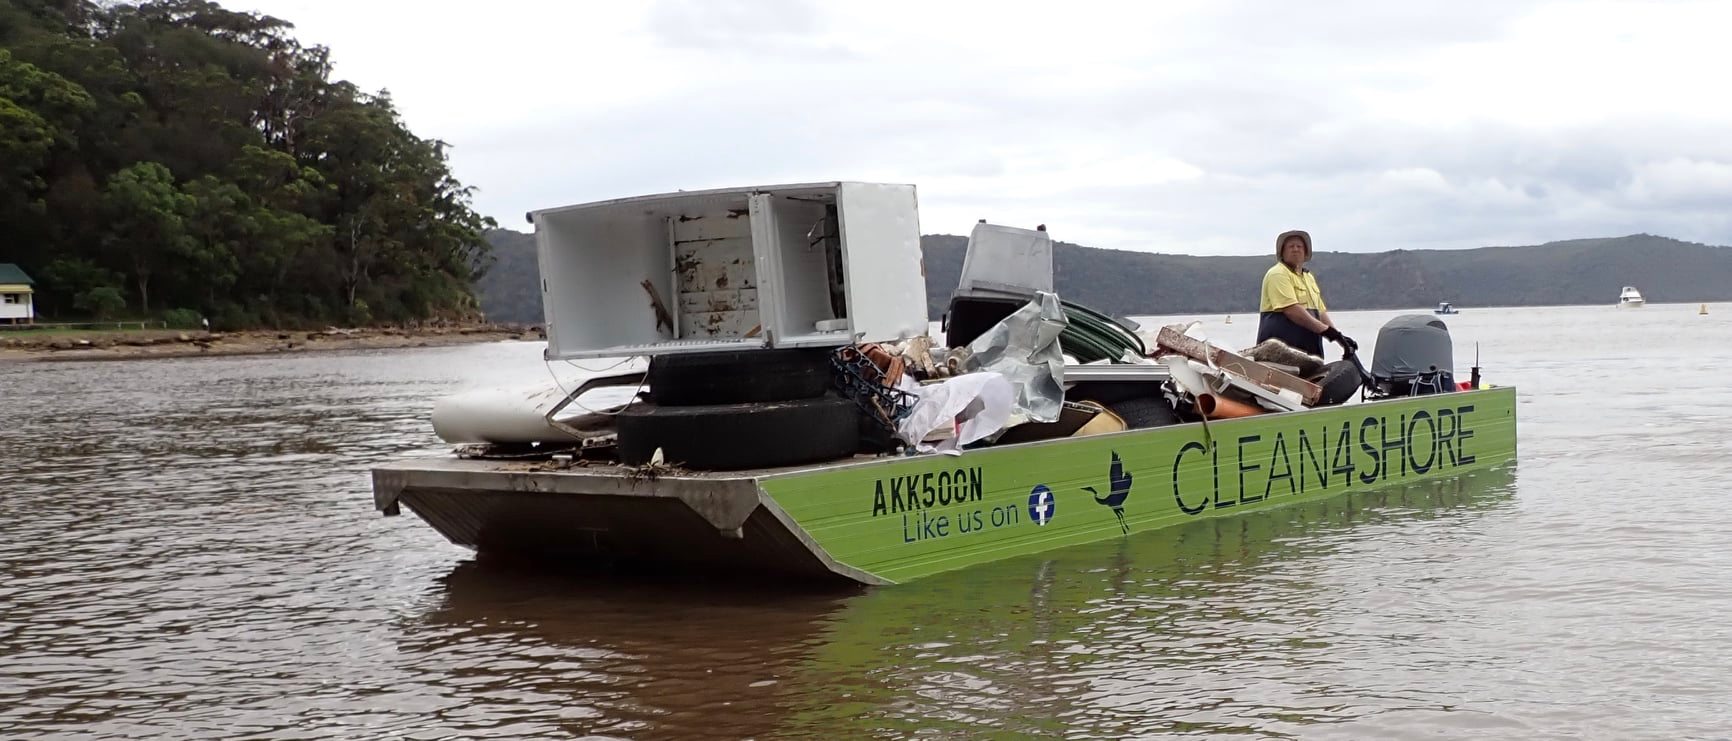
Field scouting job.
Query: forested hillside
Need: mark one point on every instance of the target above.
(176, 157)
(1586, 271)
(511, 289)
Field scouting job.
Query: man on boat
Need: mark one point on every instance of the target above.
(1292, 307)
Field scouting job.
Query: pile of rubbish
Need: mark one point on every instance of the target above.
(939, 399)
(1010, 383)
(751, 368)
(1016, 364)
(1049, 369)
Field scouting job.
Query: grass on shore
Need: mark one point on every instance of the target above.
(31, 332)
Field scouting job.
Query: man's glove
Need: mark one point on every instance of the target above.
(1334, 335)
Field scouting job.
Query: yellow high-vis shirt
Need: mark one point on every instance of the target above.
(1283, 288)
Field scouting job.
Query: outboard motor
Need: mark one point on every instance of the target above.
(1414, 357)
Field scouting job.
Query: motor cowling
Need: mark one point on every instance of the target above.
(1414, 357)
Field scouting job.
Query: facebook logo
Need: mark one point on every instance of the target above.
(1040, 504)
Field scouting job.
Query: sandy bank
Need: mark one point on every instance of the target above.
(125, 345)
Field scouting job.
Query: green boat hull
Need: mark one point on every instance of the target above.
(908, 518)
(893, 520)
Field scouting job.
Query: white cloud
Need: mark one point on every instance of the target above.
(1683, 181)
(1198, 127)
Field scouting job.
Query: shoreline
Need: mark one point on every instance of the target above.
(170, 343)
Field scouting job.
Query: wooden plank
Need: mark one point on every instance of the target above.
(1171, 338)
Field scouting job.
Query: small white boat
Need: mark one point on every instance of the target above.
(1630, 298)
(1444, 307)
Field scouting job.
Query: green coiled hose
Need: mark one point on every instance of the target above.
(1091, 336)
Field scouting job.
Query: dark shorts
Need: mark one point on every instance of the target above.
(1276, 324)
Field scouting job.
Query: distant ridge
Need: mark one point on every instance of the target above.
(1577, 271)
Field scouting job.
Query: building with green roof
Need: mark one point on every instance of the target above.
(17, 295)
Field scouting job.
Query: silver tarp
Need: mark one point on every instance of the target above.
(1024, 348)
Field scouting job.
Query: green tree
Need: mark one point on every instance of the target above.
(147, 223)
(406, 237)
(25, 139)
(56, 99)
(206, 157)
(218, 224)
(103, 302)
(40, 115)
(66, 279)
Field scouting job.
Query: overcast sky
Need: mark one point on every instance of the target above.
(1187, 127)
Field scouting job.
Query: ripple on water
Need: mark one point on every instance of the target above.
(188, 550)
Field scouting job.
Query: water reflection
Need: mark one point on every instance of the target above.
(188, 550)
(1220, 626)
(587, 653)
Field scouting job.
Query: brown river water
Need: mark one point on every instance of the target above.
(188, 550)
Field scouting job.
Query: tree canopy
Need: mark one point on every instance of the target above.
(178, 156)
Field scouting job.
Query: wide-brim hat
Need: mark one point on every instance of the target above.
(1300, 233)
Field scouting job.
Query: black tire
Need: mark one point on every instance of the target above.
(875, 438)
(725, 437)
(738, 377)
(1145, 412)
(1340, 382)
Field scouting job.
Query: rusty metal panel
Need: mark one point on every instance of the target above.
(713, 264)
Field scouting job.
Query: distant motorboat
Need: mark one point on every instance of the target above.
(1444, 307)
(1630, 298)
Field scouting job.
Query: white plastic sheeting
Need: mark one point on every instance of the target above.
(515, 415)
(968, 407)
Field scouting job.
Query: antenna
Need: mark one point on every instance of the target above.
(1473, 380)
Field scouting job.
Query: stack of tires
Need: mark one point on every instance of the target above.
(740, 409)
